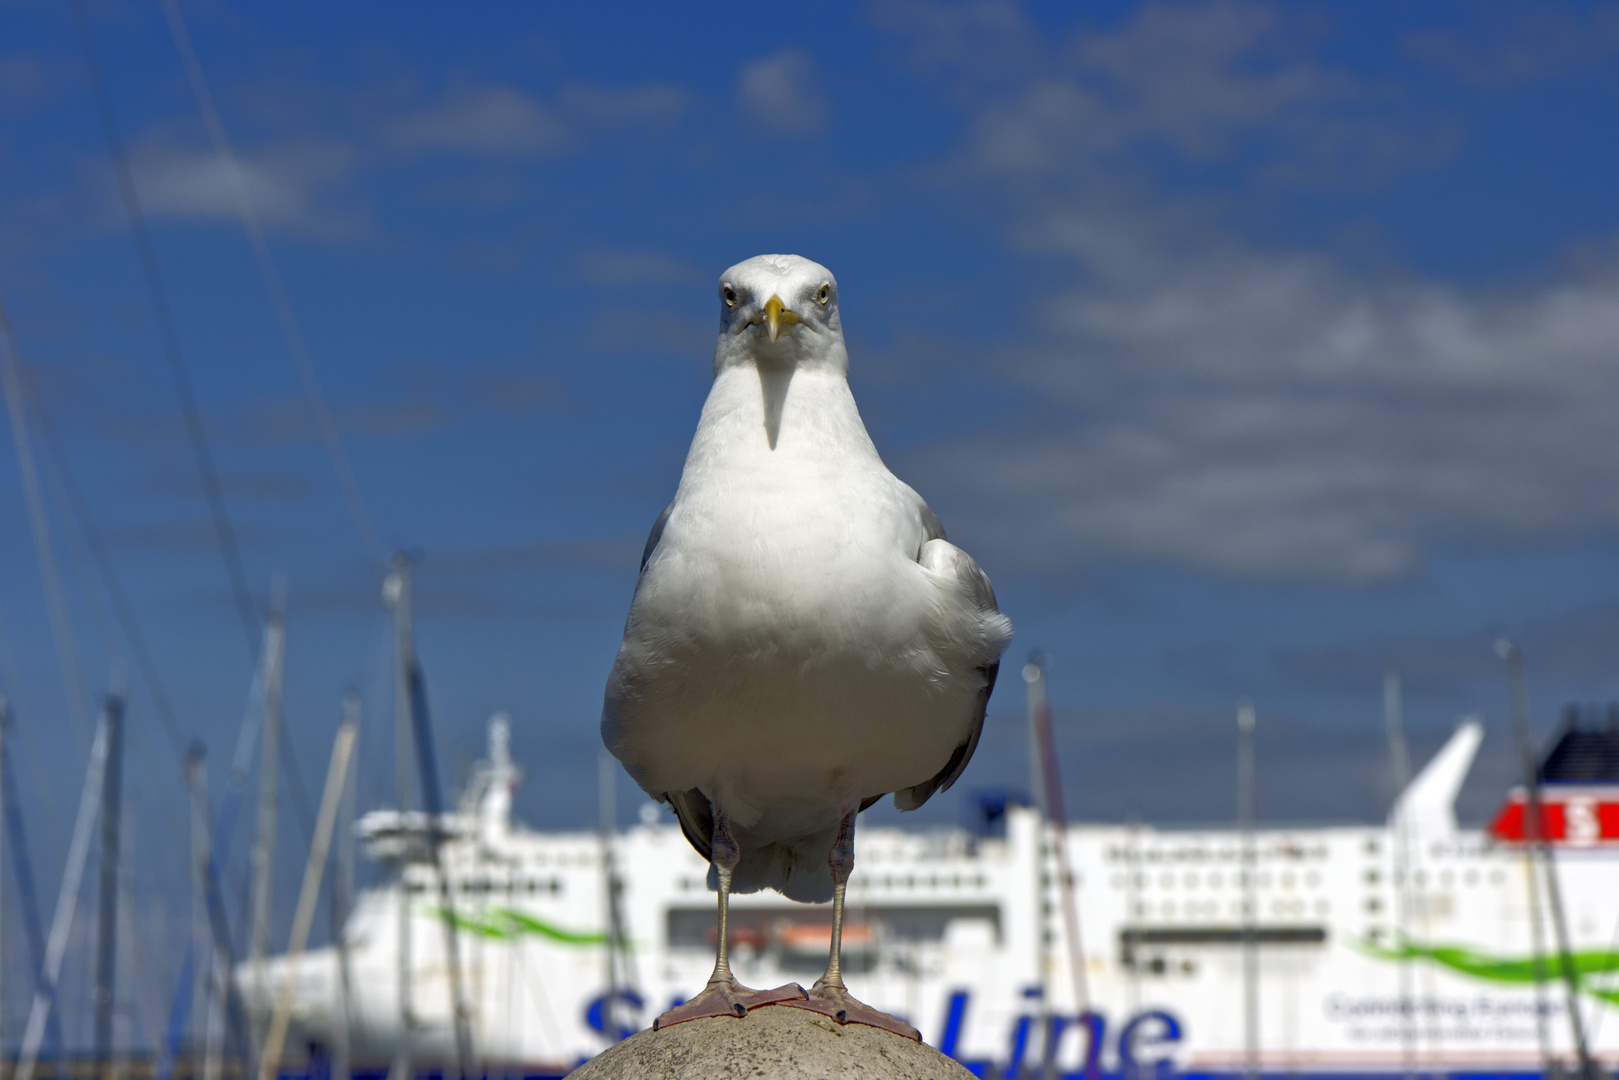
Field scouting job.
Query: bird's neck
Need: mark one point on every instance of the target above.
(785, 413)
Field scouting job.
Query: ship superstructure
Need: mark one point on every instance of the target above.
(1414, 945)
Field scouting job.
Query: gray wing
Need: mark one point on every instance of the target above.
(983, 593)
(654, 536)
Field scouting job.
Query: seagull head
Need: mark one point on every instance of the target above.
(779, 311)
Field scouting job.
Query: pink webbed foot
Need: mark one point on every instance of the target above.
(843, 1007)
(727, 999)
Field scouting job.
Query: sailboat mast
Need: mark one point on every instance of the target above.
(196, 779)
(342, 901)
(1541, 851)
(1034, 676)
(1400, 766)
(264, 840)
(1246, 813)
(397, 592)
(107, 933)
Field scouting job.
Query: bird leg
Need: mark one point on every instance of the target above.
(724, 996)
(829, 996)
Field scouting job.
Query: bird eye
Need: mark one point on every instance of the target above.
(728, 294)
(824, 295)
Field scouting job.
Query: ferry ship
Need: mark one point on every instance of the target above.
(1413, 946)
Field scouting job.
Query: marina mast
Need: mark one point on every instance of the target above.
(1250, 900)
(1400, 766)
(1541, 852)
(107, 935)
(275, 637)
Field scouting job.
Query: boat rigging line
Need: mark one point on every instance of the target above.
(67, 656)
(225, 534)
(272, 282)
(57, 460)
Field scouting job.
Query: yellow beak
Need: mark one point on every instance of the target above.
(777, 316)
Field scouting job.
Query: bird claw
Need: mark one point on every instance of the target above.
(842, 1006)
(727, 999)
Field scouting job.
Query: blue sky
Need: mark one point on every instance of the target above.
(1248, 347)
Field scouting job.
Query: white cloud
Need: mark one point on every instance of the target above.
(1200, 400)
(782, 92)
(286, 184)
(493, 121)
(1274, 416)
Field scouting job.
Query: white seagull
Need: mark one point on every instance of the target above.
(802, 640)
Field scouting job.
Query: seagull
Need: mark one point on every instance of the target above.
(802, 639)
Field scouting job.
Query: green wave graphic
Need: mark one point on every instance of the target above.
(1503, 969)
(508, 924)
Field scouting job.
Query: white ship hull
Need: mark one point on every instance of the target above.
(1379, 949)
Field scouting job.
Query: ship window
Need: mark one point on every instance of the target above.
(1471, 877)
(415, 886)
(1371, 847)
(1287, 881)
(1190, 881)
(1373, 905)
(1312, 878)
(1215, 881)
(1167, 881)
(1322, 907)
(556, 885)
(1371, 877)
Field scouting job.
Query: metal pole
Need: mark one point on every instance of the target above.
(5, 716)
(396, 591)
(1533, 834)
(1400, 765)
(22, 869)
(275, 636)
(1034, 676)
(202, 953)
(107, 935)
(606, 825)
(433, 801)
(304, 915)
(66, 902)
(1250, 905)
(342, 900)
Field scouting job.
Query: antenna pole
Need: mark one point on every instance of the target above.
(1250, 904)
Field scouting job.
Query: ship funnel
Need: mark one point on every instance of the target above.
(1427, 806)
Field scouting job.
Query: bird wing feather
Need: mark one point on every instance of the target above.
(943, 557)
